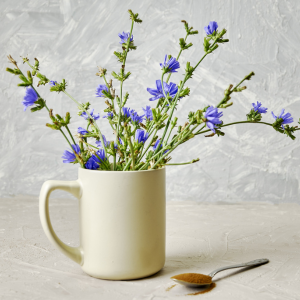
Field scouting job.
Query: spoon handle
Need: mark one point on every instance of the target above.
(252, 263)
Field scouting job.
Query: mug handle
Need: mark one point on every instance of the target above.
(73, 187)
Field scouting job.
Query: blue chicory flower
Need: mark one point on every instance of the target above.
(141, 136)
(156, 144)
(99, 144)
(171, 88)
(126, 111)
(135, 118)
(52, 83)
(211, 28)
(29, 98)
(69, 156)
(132, 114)
(106, 143)
(86, 117)
(171, 65)
(287, 118)
(100, 89)
(94, 162)
(109, 115)
(124, 37)
(82, 131)
(212, 118)
(257, 107)
(148, 113)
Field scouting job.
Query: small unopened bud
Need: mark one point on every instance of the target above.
(248, 77)
(184, 126)
(102, 72)
(174, 122)
(113, 91)
(12, 61)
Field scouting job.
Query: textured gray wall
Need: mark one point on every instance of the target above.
(70, 38)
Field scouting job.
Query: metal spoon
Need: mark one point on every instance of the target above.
(252, 263)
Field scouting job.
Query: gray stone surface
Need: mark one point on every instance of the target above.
(200, 238)
(70, 38)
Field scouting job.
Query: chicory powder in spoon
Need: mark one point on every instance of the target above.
(193, 278)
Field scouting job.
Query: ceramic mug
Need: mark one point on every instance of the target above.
(122, 222)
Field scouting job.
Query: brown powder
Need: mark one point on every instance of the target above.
(212, 286)
(193, 278)
(170, 287)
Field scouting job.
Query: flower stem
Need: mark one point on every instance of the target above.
(177, 97)
(186, 163)
(70, 134)
(177, 58)
(67, 139)
(121, 89)
(127, 164)
(229, 124)
(94, 123)
(49, 110)
(112, 100)
(221, 102)
(131, 150)
(175, 146)
(162, 85)
(149, 145)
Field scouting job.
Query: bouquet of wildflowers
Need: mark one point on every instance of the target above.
(142, 140)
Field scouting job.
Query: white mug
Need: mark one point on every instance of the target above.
(122, 222)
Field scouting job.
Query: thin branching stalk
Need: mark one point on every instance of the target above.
(177, 57)
(94, 122)
(121, 90)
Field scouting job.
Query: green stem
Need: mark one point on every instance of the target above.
(186, 163)
(121, 87)
(107, 85)
(90, 145)
(132, 152)
(127, 164)
(177, 58)
(171, 114)
(149, 145)
(49, 111)
(70, 134)
(94, 123)
(67, 140)
(162, 84)
(221, 102)
(105, 82)
(171, 129)
(177, 97)
(175, 146)
(229, 124)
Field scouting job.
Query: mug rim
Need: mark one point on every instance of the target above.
(103, 171)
